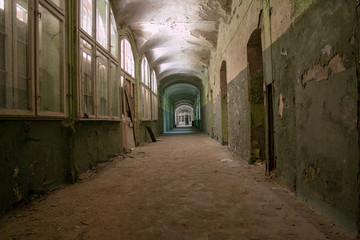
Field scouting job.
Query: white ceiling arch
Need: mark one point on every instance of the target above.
(177, 36)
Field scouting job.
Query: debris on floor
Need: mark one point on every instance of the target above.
(225, 160)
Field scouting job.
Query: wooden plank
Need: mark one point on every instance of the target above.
(151, 134)
(131, 105)
(132, 112)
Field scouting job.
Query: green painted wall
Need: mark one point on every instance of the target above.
(316, 137)
(34, 157)
(38, 155)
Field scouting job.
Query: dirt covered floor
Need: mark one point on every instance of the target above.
(185, 187)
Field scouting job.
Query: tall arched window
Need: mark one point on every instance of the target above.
(127, 57)
(154, 96)
(145, 90)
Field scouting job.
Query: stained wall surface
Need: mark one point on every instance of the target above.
(310, 57)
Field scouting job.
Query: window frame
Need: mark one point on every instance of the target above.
(123, 56)
(11, 71)
(110, 59)
(154, 97)
(56, 12)
(145, 87)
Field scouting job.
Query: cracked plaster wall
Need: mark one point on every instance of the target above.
(309, 56)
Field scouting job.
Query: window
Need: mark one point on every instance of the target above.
(154, 107)
(145, 90)
(153, 82)
(99, 78)
(154, 96)
(145, 103)
(127, 58)
(145, 72)
(15, 87)
(86, 14)
(87, 81)
(102, 22)
(18, 42)
(114, 45)
(102, 80)
(51, 65)
(114, 90)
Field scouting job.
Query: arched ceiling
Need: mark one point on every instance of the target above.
(182, 93)
(177, 36)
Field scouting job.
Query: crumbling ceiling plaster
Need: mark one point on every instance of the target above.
(177, 36)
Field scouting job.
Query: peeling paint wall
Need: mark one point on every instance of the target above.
(309, 54)
(36, 156)
(315, 96)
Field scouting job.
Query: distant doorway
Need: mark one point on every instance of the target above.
(224, 104)
(256, 97)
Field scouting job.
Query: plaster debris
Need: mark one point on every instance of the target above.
(284, 52)
(16, 172)
(311, 173)
(352, 40)
(326, 50)
(225, 160)
(17, 194)
(281, 106)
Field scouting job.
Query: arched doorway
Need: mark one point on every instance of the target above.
(224, 104)
(256, 97)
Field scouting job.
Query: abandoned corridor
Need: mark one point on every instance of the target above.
(185, 186)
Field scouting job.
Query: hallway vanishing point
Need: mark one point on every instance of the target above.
(183, 187)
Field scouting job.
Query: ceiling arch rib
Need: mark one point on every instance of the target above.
(182, 93)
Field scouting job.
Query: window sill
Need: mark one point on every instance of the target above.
(99, 119)
(32, 118)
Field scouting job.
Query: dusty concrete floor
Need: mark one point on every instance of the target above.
(174, 189)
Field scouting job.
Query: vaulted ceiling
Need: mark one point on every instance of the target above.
(177, 36)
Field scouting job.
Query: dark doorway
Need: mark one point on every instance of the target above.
(256, 97)
(224, 104)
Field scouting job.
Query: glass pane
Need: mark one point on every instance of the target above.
(86, 16)
(154, 107)
(21, 84)
(127, 58)
(87, 94)
(51, 52)
(122, 60)
(102, 22)
(114, 45)
(14, 80)
(143, 101)
(154, 82)
(102, 83)
(145, 72)
(114, 91)
(148, 104)
(3, 16)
